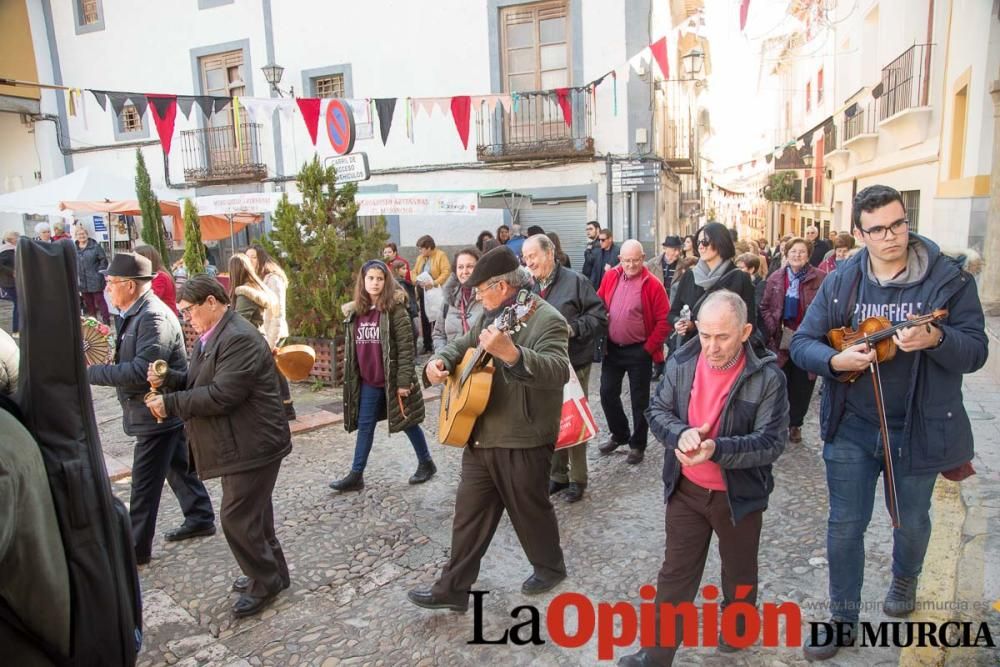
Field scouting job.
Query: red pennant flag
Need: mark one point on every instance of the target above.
(164, 110)
(309, 106)
(460, 108)
(562, 97)
(659, 49)
(744, 9)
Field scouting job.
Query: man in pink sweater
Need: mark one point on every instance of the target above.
(722, 413)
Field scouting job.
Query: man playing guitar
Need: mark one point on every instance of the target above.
(505, 465)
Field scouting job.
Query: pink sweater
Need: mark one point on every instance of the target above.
(708, 398)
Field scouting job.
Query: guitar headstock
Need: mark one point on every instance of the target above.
(512, 317)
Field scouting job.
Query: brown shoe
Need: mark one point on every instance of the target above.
(635, 456)
(795, 434)
(609, 446)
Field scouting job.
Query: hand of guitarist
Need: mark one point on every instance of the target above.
(436, 372)
(500, 345)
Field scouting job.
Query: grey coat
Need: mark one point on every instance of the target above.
(449, 326)
(90, 261)
(575, 299)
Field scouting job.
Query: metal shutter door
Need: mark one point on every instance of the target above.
(568, 219)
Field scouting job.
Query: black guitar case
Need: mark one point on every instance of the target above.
(55, 401)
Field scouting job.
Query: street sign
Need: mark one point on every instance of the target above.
(340, 126)
(234, 204)
(350, 168)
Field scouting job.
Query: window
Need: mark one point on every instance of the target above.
(222, 75)
(958, 119)
(328, 86)
(535, 46)
(911, 202)
(88, 15)
(819, 86)
(129, 120)
(808, 96)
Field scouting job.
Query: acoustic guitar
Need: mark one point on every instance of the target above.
(467, 389)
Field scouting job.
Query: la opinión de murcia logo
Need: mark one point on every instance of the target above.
(740, 624)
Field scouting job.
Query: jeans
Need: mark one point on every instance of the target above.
(800, 391)
(372, 405)
(853, 464)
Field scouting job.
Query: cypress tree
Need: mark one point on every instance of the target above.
(194, 247)
(152, 217)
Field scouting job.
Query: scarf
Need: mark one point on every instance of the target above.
(706, 278)
(465, 299)
(791, 311)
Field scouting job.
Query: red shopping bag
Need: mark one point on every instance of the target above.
(576, 423)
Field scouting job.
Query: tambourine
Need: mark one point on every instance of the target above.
(295, 362)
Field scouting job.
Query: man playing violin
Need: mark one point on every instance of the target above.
(505, 465)
(898, 276)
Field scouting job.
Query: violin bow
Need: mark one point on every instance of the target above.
(890, 473)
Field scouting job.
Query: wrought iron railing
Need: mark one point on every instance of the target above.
(906, 81)
(535, 127)
(221, 154)
(830, 137)
(861, 118)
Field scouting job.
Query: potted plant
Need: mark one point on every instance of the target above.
(321, 244)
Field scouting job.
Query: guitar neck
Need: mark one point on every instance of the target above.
(477, 358)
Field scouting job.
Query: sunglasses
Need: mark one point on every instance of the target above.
(704, 243)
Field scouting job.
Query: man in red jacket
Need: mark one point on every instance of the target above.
(637, 326)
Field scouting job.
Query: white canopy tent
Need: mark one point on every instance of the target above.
(87, 184)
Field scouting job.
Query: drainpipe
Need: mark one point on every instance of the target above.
(610, 192)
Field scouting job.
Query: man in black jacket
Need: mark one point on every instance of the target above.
(605, 257)
(575, 298)
(593, 230)
(148, 331)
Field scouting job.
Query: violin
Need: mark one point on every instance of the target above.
(877, 333)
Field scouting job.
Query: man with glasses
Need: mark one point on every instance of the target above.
(505, 464)
(637, 307)
(898, 275)
(605, 257)
(148, 331)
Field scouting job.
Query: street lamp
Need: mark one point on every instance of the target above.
(272, 74)
(693, 62)
(807, 159)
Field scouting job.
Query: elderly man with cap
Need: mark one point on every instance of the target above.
(663, 267)
(505, 465)
(149, 331)
(575, 298)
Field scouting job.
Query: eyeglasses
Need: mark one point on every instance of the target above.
(704, 243)
(878, 233)
(109, 283)
(622, 260)
(186, 310)
(489, 286)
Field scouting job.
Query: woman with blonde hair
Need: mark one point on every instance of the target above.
(275, 319)
(247, 292)
(380, 380)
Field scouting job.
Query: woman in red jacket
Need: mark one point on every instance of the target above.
(163, 282)
(787, 295)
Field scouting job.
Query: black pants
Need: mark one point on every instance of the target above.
(426, 328)
(800, 391)
(157, 457)
(693, 514)
(619, 360)
(493, 480)
(248, 522)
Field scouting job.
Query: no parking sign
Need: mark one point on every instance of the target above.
(340, 126)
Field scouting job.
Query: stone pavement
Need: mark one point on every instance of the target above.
(354, 556)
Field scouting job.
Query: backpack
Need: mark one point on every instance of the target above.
(56, 408)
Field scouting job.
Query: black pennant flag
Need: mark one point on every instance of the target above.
(385, 108)
(117, 102)
(220, 103)
(139, 102)
(205, 103)
(101, 97)
(185, 102)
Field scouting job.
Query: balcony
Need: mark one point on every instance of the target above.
(693, 196)
(835, 156)
(537, 130)
(221, 155)
(861, 129)
(905, 89)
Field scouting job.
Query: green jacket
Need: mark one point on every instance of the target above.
(526, 399)
(251, 304)
(396, 334)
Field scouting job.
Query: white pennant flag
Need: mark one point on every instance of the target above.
(425, 104)
(640, 61)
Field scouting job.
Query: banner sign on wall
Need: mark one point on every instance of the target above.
(417, 203)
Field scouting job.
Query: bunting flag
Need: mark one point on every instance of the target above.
(659, 51)
(206, 104)
(640, 60)
(425, 104)
(117, 101)
(220, 103)
(444, 104)
(139, 102)
(744, 9)
(163, 108)
(101, 97)
(562, 98)
(614, 94)
(460, 106)
(309, 106)
(185, 102)
(385, 107)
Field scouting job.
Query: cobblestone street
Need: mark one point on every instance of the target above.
(354, 556)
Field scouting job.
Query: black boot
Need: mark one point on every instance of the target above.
(575, 492)
(425, 470)
(828, 642)
(556, 487)
(901, 598)
(355, 481)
